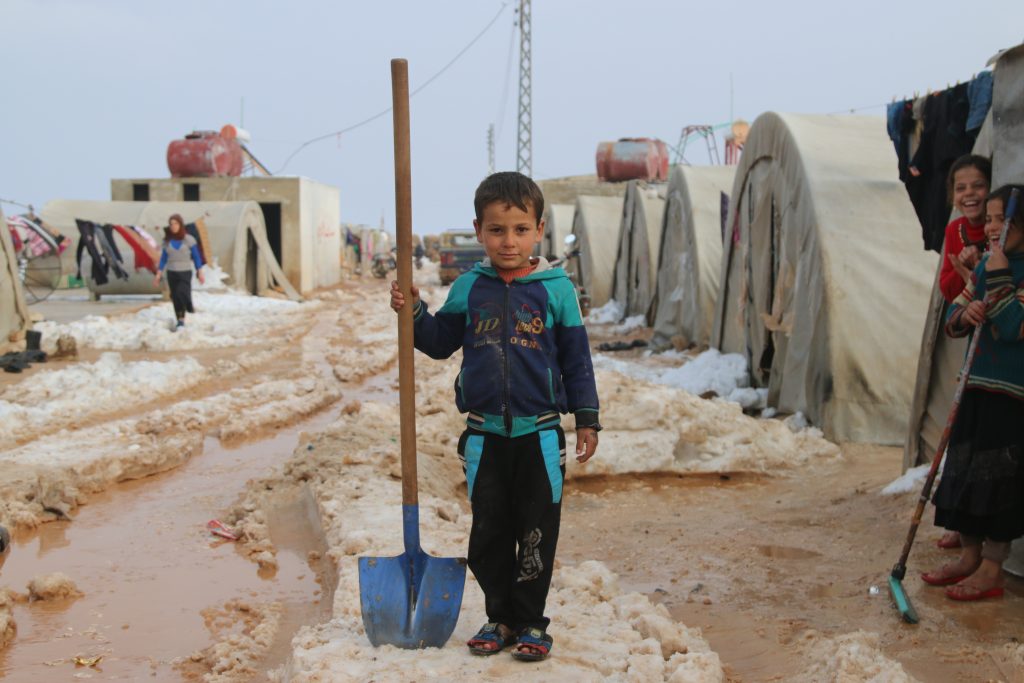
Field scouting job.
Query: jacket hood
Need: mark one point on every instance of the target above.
(543, 271)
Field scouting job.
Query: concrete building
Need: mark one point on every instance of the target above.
(302, 216)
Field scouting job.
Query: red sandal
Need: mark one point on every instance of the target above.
(973, 594)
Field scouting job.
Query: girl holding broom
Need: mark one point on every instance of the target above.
(981, 494)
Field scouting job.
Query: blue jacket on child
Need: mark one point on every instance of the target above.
(525, 354)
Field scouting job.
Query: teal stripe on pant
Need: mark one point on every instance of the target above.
(474, 449)
(552, 462)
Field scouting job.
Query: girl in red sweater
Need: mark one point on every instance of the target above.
(967, 184)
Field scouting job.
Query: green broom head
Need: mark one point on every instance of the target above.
(899, 597)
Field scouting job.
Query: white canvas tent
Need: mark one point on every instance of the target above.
(690, 254)
(596, 226)
(557, 224)
(636, 260)
(237, 233)
(824, 283)
(14, 314)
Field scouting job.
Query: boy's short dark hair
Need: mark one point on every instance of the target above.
(1003, 194)
(977, 161)
(510, 188)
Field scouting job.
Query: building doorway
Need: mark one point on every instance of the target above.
(272, 220)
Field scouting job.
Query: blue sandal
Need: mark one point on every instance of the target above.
(534, 645)
(489, 639)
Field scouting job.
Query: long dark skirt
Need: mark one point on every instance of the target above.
(180, 284)
(982, 487)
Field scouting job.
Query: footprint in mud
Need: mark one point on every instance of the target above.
(783, 552)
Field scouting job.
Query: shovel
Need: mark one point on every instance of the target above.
(412, 600)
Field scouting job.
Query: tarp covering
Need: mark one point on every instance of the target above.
(824, 284)
(636, 259)
(690, 255)
(1002, 138)
(596, 226)
(14, 315)
(557, 224)
(230, 226)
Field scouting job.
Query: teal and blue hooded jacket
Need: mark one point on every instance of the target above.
(525, 354)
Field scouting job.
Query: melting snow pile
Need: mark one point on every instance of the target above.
(611, 312)
(658, 428)
(712, 371)
(58, 398)
(911, 480)
(854, 657)
(220, 320)
(55, 586)
(628, 325)
(353, 468)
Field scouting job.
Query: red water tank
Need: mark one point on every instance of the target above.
(632, 158)
(205, 153)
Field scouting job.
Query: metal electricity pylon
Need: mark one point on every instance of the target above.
(524, 148)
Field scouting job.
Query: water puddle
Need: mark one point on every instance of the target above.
(148, 567)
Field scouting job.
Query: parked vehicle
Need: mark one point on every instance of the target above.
(459, 251)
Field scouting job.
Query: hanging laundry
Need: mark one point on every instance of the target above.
(979, 97)
(929, 134)
(87, 242)
(105, 238)
(149, 239)
(143, 259)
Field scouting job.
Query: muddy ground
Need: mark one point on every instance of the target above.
(766, 566)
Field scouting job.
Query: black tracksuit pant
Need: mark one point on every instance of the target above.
(515, 487)
(180, 284)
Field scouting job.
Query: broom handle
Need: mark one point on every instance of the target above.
(403, 234)
(965, 371)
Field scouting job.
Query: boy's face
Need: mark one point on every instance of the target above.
(508, 234)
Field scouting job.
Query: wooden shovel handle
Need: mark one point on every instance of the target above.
(403, 234)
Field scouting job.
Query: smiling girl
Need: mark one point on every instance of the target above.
(967, 185)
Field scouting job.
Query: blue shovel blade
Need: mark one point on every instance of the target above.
(411, 601)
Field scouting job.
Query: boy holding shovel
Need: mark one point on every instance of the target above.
(525, 361)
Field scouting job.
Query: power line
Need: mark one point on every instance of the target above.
(376, 116)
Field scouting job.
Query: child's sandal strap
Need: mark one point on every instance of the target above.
(534, 645)
(489, 640)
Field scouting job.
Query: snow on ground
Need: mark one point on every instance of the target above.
(51, 474)
(658, 428)
(611, 312)
(723, 374)
(852, 658)
(220, 320)
(353, 469)
(911, 480)
(628, 325)
(61, 397)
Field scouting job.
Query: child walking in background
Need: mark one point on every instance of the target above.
(525, 361)
(967, 186)
(981, 494)
(180, 253)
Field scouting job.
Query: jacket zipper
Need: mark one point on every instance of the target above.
(507, 407)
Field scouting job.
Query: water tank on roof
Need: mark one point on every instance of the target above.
(205, 153)
(632, 158)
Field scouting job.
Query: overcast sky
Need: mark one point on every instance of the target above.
(95, 90)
